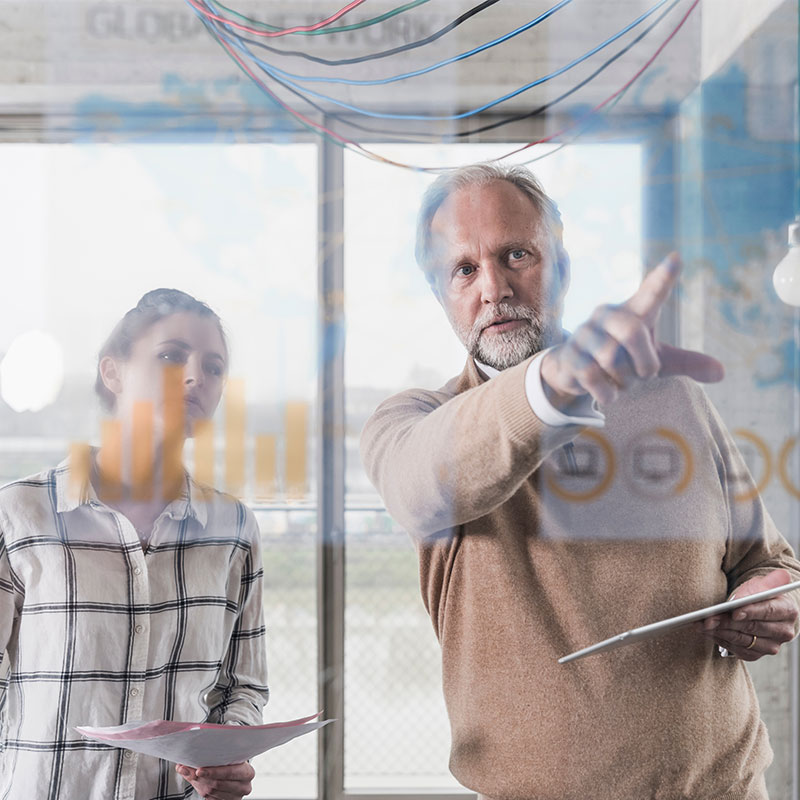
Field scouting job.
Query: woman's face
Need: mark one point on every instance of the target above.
(183, 352)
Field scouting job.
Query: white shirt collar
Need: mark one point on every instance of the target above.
(491, 372)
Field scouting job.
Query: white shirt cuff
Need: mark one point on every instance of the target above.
(584, 410)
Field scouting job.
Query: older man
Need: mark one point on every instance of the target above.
(525, 556)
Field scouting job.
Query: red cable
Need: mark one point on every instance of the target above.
(375, 156)
(611, 97)
(297, 29)
(283, 105)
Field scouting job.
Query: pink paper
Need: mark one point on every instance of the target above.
(198, 744)
(163, 727)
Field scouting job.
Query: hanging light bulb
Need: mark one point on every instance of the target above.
(786, 278)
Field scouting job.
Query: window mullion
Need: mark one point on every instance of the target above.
(331, 470)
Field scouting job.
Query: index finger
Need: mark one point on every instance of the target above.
(646, 302)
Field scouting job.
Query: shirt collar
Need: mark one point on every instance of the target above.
(489, 372)
(73, 489)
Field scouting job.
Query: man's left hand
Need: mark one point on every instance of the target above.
(758, 629)
(232, 782)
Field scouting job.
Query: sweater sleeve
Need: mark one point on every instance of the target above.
(441, 459)
(755, 546)
(241, 690)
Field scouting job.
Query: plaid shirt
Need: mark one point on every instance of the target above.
(100, 632)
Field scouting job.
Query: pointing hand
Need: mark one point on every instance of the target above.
(616, 348)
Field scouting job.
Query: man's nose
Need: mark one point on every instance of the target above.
(495, 285)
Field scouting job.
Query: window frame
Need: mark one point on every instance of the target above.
(659, 232)
(659, 199)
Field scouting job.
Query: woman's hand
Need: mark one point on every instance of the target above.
(231, 782)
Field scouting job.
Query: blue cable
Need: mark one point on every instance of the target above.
(452, 60)
(448, 61)
(271, 71)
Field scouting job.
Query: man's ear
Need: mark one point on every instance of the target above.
(430, 277)
(111, 374)
(563, 270)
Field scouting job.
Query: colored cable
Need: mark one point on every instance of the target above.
(427, 135)
(322, 31)
(579, 131)
(616, 94)
(296, 29)
(349, 144)
(338, 62)
(415, 73)
(608, 103)
(310, 124)
(375, 114)
(546, 106)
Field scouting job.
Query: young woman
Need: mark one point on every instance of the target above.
(127, 590)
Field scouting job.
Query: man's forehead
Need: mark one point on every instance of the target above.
(498, 210)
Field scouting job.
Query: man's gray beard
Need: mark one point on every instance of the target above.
(504, 350)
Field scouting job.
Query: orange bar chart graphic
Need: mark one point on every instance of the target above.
(235, 436)
(80, 460)
(296, 438)
(204, 451)
(110, 488)
(142, 455)
(266, 449)
(174, 421)
(266, 483)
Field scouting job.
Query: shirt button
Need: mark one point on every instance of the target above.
(128, 754)
(133, 692)
(137, 570)
(139, 628)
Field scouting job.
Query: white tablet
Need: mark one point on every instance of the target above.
(657, 628)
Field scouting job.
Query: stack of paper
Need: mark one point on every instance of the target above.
(202, 744)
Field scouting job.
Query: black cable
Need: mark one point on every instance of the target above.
(372, 56)
(341, 119)
(541, 109)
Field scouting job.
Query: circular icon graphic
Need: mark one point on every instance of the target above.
(586, 473)
(659, 463)
(764, 452)
(783, 467)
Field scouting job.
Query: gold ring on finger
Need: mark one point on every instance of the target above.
(750, 646)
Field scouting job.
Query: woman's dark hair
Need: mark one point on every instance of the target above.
(153, 306)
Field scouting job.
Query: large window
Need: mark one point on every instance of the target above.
(89, 229)
(172, 169)
(95, 226)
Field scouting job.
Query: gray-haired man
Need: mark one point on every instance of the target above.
(521, 562)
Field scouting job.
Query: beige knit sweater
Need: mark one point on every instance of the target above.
(516, 573)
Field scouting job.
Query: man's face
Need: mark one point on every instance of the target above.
(496, 273)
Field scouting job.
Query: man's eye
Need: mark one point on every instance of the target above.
(467, 269)
(517, 255)
(215, 370)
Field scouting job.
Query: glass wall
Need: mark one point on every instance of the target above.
(97, 225)
(170, 170)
